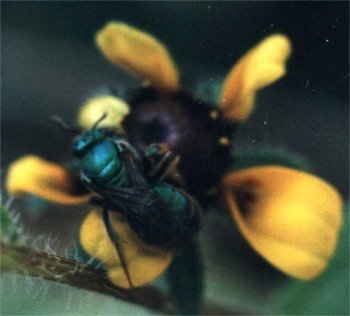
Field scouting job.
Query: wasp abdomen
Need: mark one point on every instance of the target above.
(170, 217)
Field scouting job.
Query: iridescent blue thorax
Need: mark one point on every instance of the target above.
(101, 158)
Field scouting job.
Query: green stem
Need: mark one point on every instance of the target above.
(26, 261)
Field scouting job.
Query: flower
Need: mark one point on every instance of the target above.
(290, 217)
(31, 174)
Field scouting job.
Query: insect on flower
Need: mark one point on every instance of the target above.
(159, 213)
(290, 217)
(112, 168)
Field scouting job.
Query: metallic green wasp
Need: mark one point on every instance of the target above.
(132, 184)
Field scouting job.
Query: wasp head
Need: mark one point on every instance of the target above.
(84, 142)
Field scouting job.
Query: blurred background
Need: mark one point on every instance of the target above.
(50, 66)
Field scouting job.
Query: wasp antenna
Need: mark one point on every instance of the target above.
(104, 115)
(62, 124)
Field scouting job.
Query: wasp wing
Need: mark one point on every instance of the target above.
(129, 154)
(134, 176)
(137, 195)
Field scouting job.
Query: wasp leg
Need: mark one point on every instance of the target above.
(115, 240)
(131, 149)
(97, 201)
(162, 162)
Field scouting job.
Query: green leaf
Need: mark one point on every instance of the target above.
(249, 156)
(329, 294)
(9, 231)
(185, 279)
(25, 295)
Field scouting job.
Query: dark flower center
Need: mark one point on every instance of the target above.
(157, 126)
(192, 129)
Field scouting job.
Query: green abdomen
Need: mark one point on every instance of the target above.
(169, 217)
(176, 201)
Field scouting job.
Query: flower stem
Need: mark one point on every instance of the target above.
(26, 261)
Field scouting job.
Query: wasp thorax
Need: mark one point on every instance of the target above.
(101, 157)
(190, 129)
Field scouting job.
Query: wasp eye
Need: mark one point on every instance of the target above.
(79, 146)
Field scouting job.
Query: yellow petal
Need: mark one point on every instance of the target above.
(115, 108)
(289, 217)
(260, 67)
(139, 53)
(33, 175)
(144, 261)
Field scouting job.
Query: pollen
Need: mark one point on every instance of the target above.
(224, 141)
(214, 115)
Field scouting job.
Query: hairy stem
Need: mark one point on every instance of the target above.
(26, 261)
